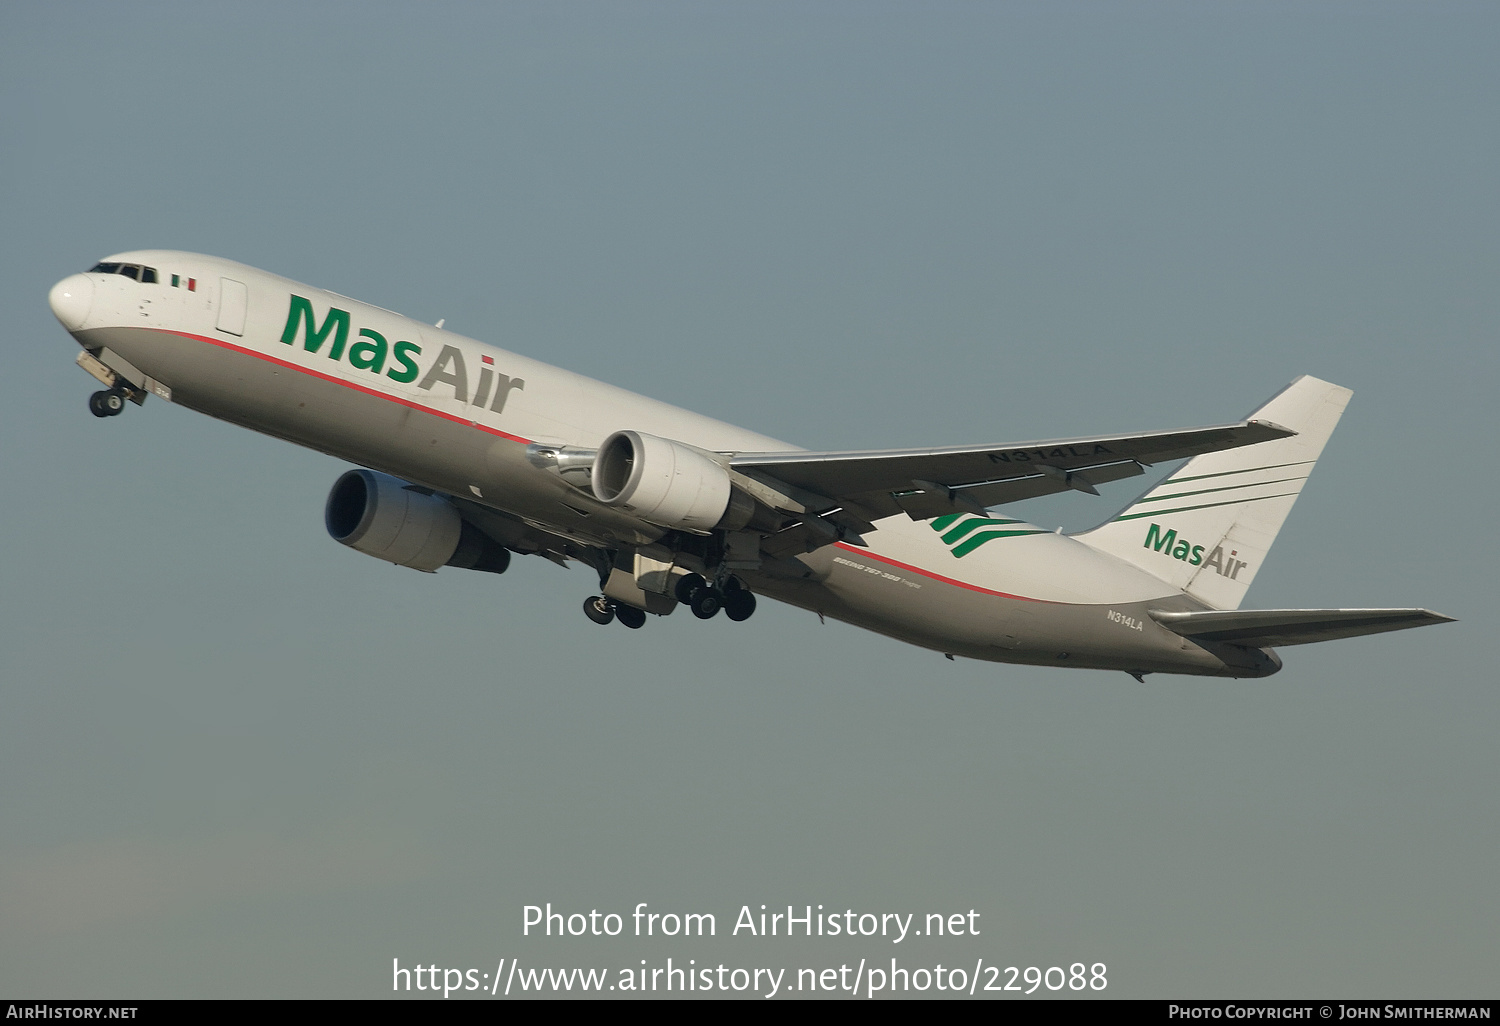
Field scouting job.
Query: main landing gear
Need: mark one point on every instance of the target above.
(602, 610)
(737, 601)
(109, 403)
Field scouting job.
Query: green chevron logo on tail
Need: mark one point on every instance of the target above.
(962, 533)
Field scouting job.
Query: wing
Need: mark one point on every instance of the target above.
(925, 483)
(1260, 627)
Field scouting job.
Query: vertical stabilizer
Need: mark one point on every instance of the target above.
(1207, 528)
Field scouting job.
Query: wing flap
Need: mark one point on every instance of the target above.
(1258, 628)
(935, 500)
(851, 474)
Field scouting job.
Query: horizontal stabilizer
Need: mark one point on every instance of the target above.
(1256, 628)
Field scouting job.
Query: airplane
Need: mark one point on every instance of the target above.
(468, 454)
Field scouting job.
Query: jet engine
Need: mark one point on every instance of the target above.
(664, 482)
(384, 517)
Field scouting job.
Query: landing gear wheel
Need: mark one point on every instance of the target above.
(706, 602)
(599, 609)
(110, 403)
(630, 616)
(739, 604)
(686, 585)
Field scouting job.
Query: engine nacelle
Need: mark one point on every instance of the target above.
(661, 481)
(384, 517)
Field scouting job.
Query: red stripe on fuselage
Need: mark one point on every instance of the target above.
(341, 381)
(939, 577)
(517, 438)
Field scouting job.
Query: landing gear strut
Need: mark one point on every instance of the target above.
(109, 403)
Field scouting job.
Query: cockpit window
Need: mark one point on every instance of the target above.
(135, 271)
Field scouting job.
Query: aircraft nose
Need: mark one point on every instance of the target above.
(71, 299)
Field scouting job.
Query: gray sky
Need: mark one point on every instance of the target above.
(238, 759)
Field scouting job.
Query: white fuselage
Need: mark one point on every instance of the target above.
(455, 415)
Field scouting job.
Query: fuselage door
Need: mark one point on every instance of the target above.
(233, 300)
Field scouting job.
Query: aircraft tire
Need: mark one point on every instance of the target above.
(106, 404)
(599, 609)
(706, 603)
(739, 605)
(686, 585)
(631, 617)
